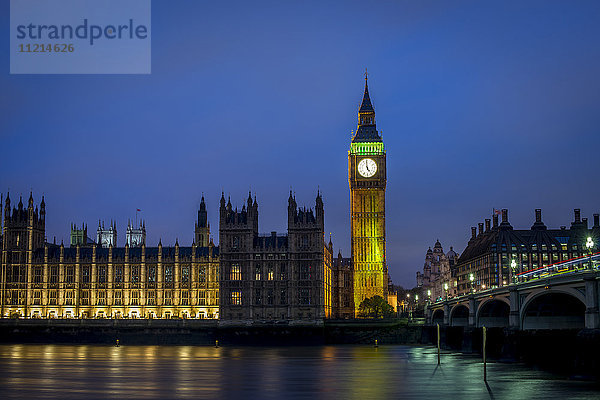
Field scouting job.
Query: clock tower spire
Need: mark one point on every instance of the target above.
(367, 178)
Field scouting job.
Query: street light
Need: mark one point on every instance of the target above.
(590, 245)
(446, 289)
(471, 278)
(513, 267)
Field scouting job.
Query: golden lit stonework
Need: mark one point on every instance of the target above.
(367, 178)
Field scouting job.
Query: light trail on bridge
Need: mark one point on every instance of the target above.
(559, 268)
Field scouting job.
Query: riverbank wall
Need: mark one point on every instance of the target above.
(207, 332)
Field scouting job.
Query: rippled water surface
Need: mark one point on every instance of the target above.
(345, 372)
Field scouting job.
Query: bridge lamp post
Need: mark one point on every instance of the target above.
(446, 289)
(590, 245)
(471, 278)
(428, 295)
(513, 267)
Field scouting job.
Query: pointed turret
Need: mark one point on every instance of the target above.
(319, 212)
(366, 106)
(43, 209)
(202, 214)
(7, 206)
(367, 131)
(202, 229)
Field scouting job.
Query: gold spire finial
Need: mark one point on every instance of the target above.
(366, 74)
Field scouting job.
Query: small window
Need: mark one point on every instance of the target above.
(236, 298)
(236, 273)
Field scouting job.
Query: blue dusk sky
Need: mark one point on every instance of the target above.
(482, 105)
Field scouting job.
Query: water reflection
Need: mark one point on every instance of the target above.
(354, 372)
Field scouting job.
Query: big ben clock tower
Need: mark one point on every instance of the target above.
(367, 177)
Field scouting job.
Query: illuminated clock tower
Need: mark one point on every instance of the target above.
(367, 177)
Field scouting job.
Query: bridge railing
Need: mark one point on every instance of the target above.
(575, 265)
(564, 267)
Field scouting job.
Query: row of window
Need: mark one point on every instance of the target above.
(18, 297)
(19, 274)
(303, 297)
(305, 272)
(535, 247)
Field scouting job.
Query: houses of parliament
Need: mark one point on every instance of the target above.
(249, 276)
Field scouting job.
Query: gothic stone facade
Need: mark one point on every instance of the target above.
(43, 280)
(367, 178)
(343, 288)
(251, 277)
(274, 277)
(437, 272)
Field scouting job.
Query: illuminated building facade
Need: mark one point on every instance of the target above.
(367, 178)
(495, 248)
(79, 235)
(274, 277)
(251, 277)
(106, 237)
(136, 235)
(437, 271)
(42, 280)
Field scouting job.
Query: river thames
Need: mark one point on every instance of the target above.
(354, 372)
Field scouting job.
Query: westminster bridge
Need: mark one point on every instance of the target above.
(550, 301)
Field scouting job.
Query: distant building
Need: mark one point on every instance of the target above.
(79, 236)
(491, 251)
(136, 236)
(437, 272)
(107, 237)
(392, 295)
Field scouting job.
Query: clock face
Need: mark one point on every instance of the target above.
(367, 167)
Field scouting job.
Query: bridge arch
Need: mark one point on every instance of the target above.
(459, 315)
(553, 309)
(437, 317)
(493, 312)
